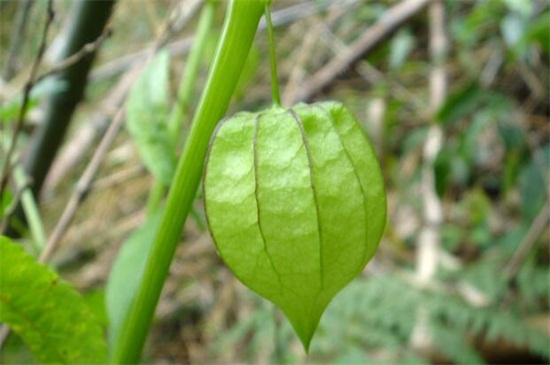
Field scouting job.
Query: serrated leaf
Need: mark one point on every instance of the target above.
(46, 312)
(295, 202)
(147, 119)
(127, 273)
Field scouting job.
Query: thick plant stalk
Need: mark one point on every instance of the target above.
(238, 33)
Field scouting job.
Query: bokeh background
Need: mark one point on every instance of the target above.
(454, 96)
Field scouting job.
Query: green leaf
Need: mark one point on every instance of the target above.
(442, 169)
(296, 204)
(147, 119)
(95, 299)
(127, 273)
(6, 200)
(49, 315)
(460, 103)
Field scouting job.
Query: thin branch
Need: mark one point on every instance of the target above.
(77, 147)
(119, 177)
(303, 55)
(368, 72)
(85, 181)
(76, 57)
(82, 188)
(385, 26)
(123, 63)
(6, 171)
(182, 46)
(429, 240)
(304, 9)
(311, 30)
(16, 39)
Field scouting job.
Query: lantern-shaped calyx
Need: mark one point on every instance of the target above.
(296, 205)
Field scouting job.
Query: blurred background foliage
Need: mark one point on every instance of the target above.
(491, 175)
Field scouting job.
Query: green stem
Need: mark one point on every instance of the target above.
(154, 198)
(272, 58)
(185, 91)
(32, 213)
(238, 33)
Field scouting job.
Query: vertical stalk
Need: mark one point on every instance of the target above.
(272, 58)
(238, 33)
(429, 241)
(32, 214)
(429, 244)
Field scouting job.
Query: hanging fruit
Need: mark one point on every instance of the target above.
(296, 205)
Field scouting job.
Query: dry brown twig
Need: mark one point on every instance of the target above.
(68, 62)
(429, 240)
(386, 25)
(181, 46)
(16, 38)
(76, 57)
(374, 76)
(86, 179)
(34, 79)
(75, 149)
(312, 28)
(81, 188)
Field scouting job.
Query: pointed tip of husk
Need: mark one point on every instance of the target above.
(305, 328)
(305, 343)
